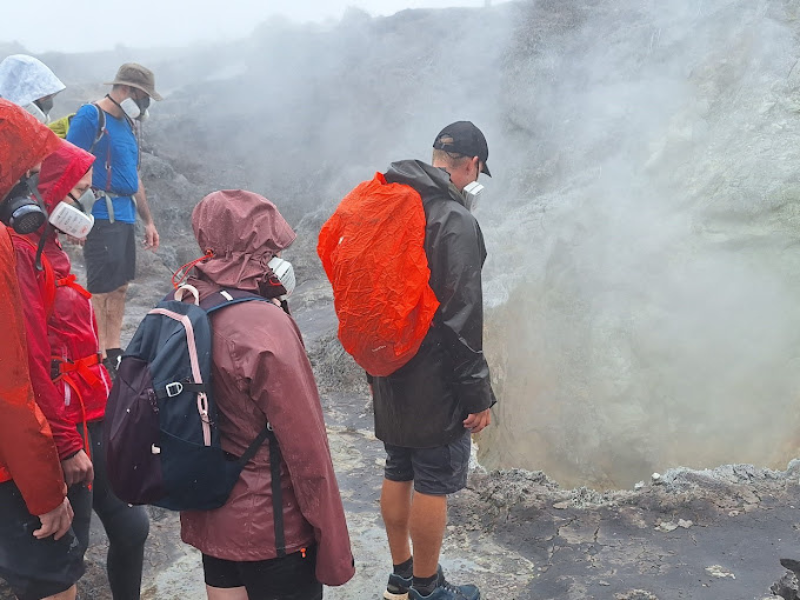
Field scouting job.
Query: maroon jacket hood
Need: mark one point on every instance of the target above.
(244, 231)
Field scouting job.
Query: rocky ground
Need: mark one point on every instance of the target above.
(518, 535)
(592, 273)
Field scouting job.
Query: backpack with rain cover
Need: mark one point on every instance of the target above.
(373, 252)
(160, 430)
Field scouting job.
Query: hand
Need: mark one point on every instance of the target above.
(76, 241)
(56, 523)
(151, 238)
(78, 469)
(478, 421)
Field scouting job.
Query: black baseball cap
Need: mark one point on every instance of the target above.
(466, 139)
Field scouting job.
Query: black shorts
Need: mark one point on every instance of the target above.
(34, 568)
(289, 578)
(110, 254)
(435, 471)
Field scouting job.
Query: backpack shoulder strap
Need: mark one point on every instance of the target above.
(225, 298)
(101, 126)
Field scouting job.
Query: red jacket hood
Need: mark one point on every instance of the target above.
(244, 231)
(24, 143)
(61, 171)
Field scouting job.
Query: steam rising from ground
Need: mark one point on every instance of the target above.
(653, 315)
(642, 224)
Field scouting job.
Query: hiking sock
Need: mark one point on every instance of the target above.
(426, 585)
(406, 569)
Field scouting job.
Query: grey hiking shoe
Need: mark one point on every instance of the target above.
(397, 588)
(447, 591)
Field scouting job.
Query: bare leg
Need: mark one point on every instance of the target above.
(237, 593)
(66, 595)
(427, 525)
(396, 512)
(115, 311)
(99, 302)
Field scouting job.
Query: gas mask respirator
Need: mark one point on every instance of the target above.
(136, 109)
(23, 209)
(284, 271)
(472, 193)
(75, 221)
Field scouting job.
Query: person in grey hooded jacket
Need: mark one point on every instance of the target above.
(28, 82)
(426, 410)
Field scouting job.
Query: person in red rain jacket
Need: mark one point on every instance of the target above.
(33, 503)
(69, 380)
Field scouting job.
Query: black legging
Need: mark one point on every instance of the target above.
(126, 526)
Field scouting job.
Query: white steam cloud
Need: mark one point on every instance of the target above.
(645, 305)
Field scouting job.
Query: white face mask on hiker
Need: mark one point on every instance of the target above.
(284, 271)
(136, 110)
(76, 221)
(472, 192)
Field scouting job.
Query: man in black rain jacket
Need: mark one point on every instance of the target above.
(426, 411)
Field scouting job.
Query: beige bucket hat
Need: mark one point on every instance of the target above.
(135, 75)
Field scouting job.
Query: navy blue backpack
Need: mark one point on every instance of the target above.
(160, 430)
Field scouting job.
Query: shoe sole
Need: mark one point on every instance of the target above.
(390, 596)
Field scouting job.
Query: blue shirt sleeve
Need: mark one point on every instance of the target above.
(83, 127)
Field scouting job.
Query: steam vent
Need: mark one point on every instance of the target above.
(641, 292)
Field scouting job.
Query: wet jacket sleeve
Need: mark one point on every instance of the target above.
(287, 394)
(48, 397)
(456, 254)
(27, 452)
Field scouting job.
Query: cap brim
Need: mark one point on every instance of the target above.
(154, 94)
(485, 170)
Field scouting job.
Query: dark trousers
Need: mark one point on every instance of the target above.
(126, 526)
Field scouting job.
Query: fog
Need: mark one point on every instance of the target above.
(91, 25)
(642, 302)
(645, 305)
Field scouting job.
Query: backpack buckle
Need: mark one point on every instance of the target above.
(174, 389)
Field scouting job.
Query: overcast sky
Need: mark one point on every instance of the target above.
(80, 25)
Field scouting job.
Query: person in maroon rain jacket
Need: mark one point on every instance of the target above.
(261, 374)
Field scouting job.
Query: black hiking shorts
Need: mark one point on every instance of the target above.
(435, 471)
(34, 568)
(291, 577)
(110, 253)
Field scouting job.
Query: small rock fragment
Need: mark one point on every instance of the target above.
(720, 572)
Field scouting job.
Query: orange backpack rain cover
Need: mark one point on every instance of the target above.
(373, 251)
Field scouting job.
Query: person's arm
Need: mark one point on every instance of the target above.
(151, 239)
(26, 443)
(283, 387)
(50, 400)
(457, 254)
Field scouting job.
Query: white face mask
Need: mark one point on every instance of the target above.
(472, 192)
(70, 220)
(86, 201)
(38, 113)
(284, 271)
(132, 109)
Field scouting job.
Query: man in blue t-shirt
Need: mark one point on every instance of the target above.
(110, 249)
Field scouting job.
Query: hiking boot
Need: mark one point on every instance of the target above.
(112, 360)
(397, 588)
(447, 591)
